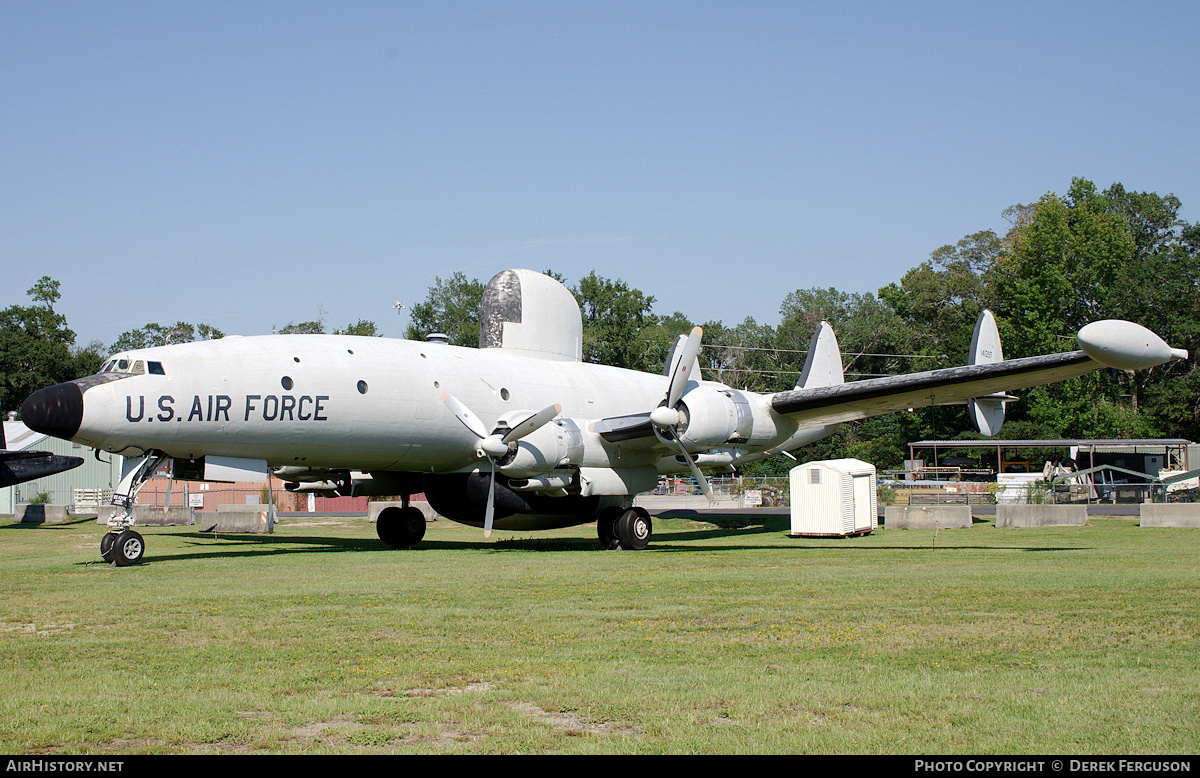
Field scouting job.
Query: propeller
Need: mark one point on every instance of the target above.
(667, 416)
(495, 445)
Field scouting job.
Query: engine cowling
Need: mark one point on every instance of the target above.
(553, 446)
(709, 418)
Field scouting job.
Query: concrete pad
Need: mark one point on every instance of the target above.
(1174, 514)
(1015, 516)
(927, 517)
(39, 513)
(374, 508)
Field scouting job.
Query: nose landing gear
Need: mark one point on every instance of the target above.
(121, 546)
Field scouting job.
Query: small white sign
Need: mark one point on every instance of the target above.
(195, 500)
(753, 497)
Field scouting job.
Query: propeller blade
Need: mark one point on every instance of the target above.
(683, 366)
(534, 422)
(490, 513)
(700, 479)
(469, 420)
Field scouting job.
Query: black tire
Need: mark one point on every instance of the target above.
(400, 527)
(106, 545)
(634, 529)
(606, 528)
(128, 548)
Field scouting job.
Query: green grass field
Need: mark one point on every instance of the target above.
(714, 640)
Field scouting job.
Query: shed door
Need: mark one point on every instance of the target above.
(862, 501)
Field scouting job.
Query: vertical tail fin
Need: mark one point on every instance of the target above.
(823, 366)
(987, 412)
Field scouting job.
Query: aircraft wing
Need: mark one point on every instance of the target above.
(948, 386)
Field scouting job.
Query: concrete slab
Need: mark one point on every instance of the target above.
(374, 508)
(1174, 514)
(927, 517)
(154, 516)
(1017, 516)
(39, 513)
(235, 519)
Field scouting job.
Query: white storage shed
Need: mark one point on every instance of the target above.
(835, 498)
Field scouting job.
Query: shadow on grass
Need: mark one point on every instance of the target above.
(73, 521)
(709, 534)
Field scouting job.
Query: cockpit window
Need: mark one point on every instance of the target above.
(133, 367)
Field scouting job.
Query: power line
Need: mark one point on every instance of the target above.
(805, 351)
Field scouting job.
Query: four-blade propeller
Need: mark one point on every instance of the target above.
(494, 445)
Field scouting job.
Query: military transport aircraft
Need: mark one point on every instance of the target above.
(517, 434)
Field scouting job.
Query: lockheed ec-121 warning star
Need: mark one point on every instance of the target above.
(519, 434)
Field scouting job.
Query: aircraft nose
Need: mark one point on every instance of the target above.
(56, 410)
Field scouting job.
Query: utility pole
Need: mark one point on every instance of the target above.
(399, 306)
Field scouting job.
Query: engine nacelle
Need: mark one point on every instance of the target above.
(711, 418)
(556, 445)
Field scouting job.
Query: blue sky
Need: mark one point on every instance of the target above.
(249, 164)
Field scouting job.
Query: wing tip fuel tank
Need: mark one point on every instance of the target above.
(1125, 345)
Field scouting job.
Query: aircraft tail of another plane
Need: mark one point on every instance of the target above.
(17, 467)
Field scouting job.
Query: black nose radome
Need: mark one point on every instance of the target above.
(56, 410)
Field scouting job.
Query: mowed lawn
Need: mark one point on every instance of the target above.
(716, 639)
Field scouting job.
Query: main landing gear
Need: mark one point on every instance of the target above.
(624, 528)
(400, 527)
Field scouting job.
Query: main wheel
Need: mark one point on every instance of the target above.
(400, 527)
(606, 527)
(128, 548)
(633, 529)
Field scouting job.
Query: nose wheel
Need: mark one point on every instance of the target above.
(122, 547)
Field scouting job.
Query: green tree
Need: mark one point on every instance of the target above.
(36, 346)
(361, 327)
(1090, 255)
(940, 300)
(748, 357)
(155, 334)
(451, 308)
(614, 316)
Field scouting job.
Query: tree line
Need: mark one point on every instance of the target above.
(1065, 260)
